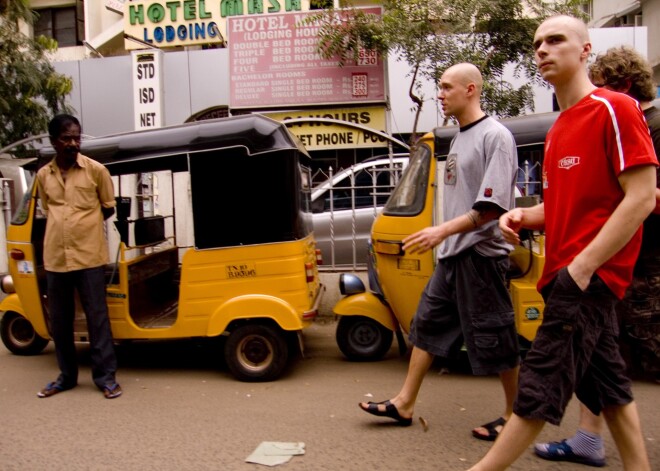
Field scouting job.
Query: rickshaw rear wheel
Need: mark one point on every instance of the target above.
(361, 338)
(256, 352)
(19, 336)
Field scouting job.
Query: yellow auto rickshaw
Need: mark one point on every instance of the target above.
(212, 237)
(369, 318)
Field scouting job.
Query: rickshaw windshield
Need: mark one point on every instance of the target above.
(408, 197)
(22, 211)
(261, 198)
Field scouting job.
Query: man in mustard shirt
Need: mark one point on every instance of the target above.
(78, 195)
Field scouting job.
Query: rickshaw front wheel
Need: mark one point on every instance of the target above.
(256, 353)
(361, 338)
(19, 336)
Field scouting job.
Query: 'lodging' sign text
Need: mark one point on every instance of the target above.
(169, 23)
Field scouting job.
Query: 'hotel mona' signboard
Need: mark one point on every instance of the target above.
(169, 23)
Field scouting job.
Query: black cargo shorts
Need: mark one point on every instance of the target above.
(467, 300)
(575, 350)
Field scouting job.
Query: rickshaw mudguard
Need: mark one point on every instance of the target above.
(13, 303)
(255, 307)
(367, 305)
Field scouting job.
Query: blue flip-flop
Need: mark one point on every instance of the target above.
(562, 451)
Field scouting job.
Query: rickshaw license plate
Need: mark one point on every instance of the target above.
(243, 270)
(407, 264)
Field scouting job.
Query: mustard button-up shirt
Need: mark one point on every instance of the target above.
(75, 237)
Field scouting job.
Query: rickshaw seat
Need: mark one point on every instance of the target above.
(149, 230)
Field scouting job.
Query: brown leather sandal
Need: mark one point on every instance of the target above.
(110, 391)
(50, 390)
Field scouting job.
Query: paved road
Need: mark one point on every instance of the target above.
(182, 410)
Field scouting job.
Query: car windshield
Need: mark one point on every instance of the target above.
(409, 195)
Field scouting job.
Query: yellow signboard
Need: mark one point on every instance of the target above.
(169, 23)
(316, 134)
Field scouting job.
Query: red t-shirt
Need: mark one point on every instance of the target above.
(587, 148)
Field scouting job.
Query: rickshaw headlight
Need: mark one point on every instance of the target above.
(350, 284)
(7, 284)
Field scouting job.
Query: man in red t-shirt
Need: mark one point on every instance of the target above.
(624, 70)
(598, 187)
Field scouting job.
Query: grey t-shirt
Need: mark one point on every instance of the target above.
(481, 167)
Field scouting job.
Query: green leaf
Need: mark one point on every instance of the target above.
(31, 91)
(432, 35)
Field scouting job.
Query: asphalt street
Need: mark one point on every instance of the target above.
(182, 410)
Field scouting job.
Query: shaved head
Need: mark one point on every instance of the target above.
(561, 51)
(465, 74)
(572, 24)
(460, 93)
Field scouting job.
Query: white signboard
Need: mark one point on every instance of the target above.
(148, 89)
(115, 5)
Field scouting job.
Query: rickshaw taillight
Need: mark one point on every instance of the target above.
(309, 272)
(389, 247)
(309, 315)
(319, 257)
(17, 254)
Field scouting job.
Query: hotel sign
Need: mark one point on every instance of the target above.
(273, 62)
(169, 23)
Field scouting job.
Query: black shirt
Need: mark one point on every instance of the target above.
(651, 236)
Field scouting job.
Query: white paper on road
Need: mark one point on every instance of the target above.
(275, 453)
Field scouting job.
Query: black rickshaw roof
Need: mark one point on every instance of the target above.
(527, 129)
(167, 147)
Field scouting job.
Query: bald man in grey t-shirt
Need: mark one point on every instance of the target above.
(482, 176)
(466, 299)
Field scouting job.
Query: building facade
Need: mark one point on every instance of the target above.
(630, 13)
(99, 42)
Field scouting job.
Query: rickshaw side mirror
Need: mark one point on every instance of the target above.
(123, 207)
(123, 213)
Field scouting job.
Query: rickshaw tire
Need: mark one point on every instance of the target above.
(361, 338)
(19, 336)
(256, 353)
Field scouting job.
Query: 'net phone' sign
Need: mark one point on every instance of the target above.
(147, 89)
